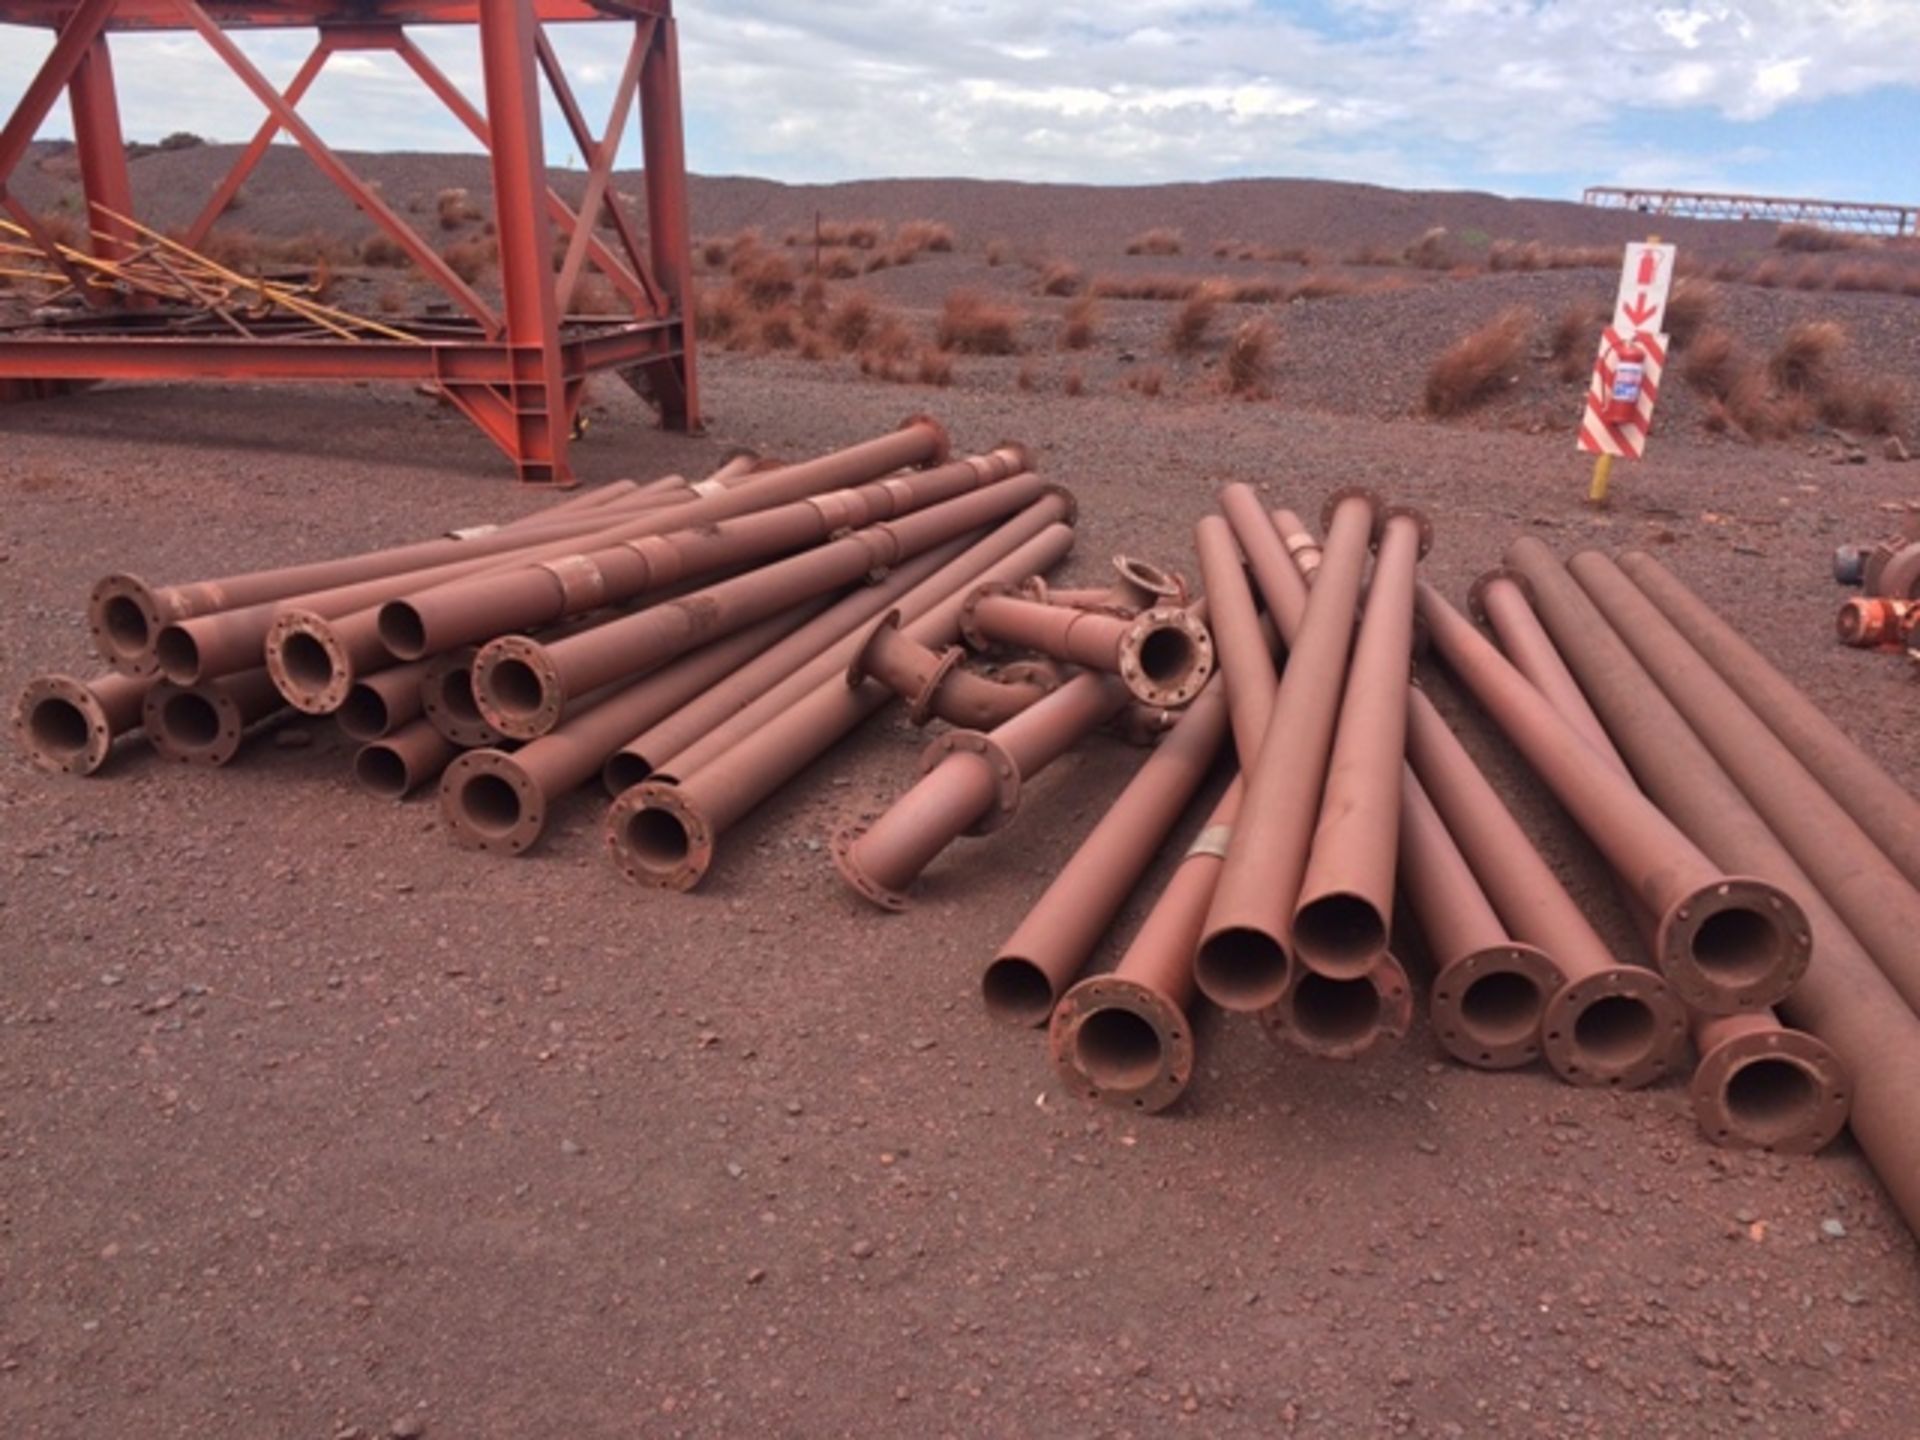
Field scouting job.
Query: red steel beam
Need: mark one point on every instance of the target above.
(103, 156)
(668, 230)
(271, 15)
(256, 148)
(600, 172)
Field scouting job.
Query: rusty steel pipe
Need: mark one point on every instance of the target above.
(1762, 1086)
(1878, 803)
(446, 696)
(1342, 1019)
(496, 800)
(936, 684)
(382, 702)
(1164, 654)
(1126, 1038)
(1503, 599)
(1244, 962)
(522, 684)
(403, 760)
(483, 606)
(594, 499)
(1725, 942)
(1138, 585)
(68, 726)
(1345, 910)
(664, 834)
(1247, 670)
(934, 593)
(1853, 874)
(1489, 990)
(809, 650)
(970, 784)
(1048, 948)
(1607, 1023)
(206, 724)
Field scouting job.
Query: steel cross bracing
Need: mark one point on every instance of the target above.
(1859, 217)
(518, 370)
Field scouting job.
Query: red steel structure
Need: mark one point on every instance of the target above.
(516, 370)
(1859, 216)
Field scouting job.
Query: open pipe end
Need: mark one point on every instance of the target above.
(1150, 583)
(657, 837)
(1486, 1007)
(1241, 968)
(517, 687)
(1122, 1043)
(846, 859)
(402, 630)
(447, 699)
(1166, 656)
(195, 724)
(942, 439)
(1343, 1019)
(1477, 594)
(1620, 1026)
(624, 770)
(490, 803)
(1777, 1089)
(176, 654)
(1016, 991)
(1340, 935)
(381, 769)
(61, 726)
(308, 665)
(1737, 944)
(1376, 515)
(364, 714)
(125, 620)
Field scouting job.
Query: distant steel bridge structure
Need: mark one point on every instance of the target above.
(1854, 217)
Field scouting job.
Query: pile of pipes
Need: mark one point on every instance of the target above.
(1887, 615)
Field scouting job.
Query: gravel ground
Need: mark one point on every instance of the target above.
(312, 1125)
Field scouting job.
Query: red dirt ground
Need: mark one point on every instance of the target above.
(312, 1125)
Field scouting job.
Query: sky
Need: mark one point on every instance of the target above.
(1520, 97)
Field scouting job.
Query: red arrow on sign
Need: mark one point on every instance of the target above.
(1649, 267)
(1639, 310)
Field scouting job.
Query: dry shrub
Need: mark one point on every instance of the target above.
(1769, 274)
(1432, 251)
(886, 348)
(1323, 285)
(764, 277)
(1812, 239)
(1075, 383)
(814, 346)
(1875, 405)
(974, 325)
(1807, 358)
(1762, 412)
(1149, 381)
(1059, 278)
(1256, 292)
(391, 300)
(1294, 255)
(1375, 255)
(1574, 338)
(841, 264)
(1504, 255)
(1713, 363)
(593, 295)
(721, 314)
(1079, 323)
(471, 258)
(381, 249)
(1146, 287)
(1808, 275)
(1690, 308)
(1188, 331)
(853, 320)
(713, 253)
(1226, 249)
(1158, 241)
(312, 248)
(1249, 359)
(996, 253)
(1863, 275)
(918, 235)
(236, 248)
(1026, 379)
(455, 208)
(935, 367)
(779, 327)
(1478, 366)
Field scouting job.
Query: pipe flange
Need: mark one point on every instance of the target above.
(1796, 1118)
(460, 722)
(1899, 578)
(61, 726)
(857, 671)
(841, 844)
(527, 724)
(657, 838)
(1477, 592)
(1148, 674)
(1735, 944)
(127, 596)
(1354, 492)
(943, 441)
(1044, 675)
(1486, 1006)
(1054, 487)
(920, 709)
(1006, 775)
(1352, 1016)
(328, 697)
(1144, 725)
(1621, 1026)
(969, 630)
(1139, 1054)
(1419, 518)
(1151, 580)
(489, 802)
(214, 734)
(1875, 560)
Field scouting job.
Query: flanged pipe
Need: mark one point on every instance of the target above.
(402, 760)
(1762, 1086)
(446, 697)
(936, 684)
(382, 702)
(969, 784)
(1139, 585)
(1878, 803)
(1164, 654)
(1047, 949)
(1342, 1019)
(206, 724)
(1723, 941)
(1345, 910)
(68, 726)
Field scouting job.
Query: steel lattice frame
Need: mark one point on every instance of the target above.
(1860, 217)
(517, 373)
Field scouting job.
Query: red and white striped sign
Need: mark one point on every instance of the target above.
(1628, 437)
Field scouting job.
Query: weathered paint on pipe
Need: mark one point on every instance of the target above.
(1878, 803)
(1342, 1019)
(68, 726)
(1341, 921)
(1048, 948)
(1246, 657)
(1164, 654)
(936, 684)
(206, 724)
(382, 702)
(1762, 1086)
(1723, 941)
(446, 697)
(401, 761)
